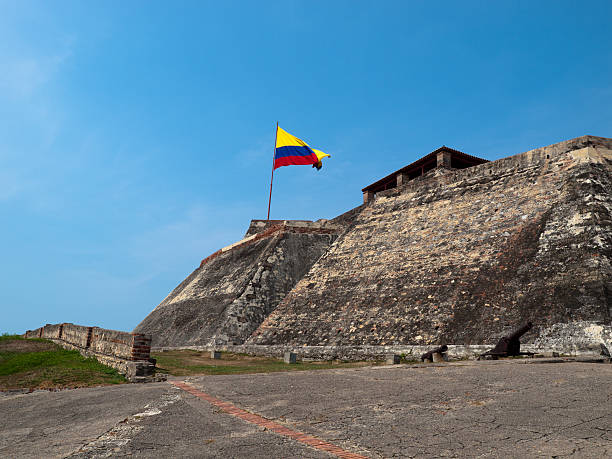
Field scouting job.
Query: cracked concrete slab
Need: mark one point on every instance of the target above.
(55, 424)
(456, 410)
(465, 409)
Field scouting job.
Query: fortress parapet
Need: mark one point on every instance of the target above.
(450, 249)
(443, 157)
(258, 226)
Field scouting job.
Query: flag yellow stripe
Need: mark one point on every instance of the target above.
(320, 154)
(284, 139)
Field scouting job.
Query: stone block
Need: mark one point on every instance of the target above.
(290, 357)
(215, 355)
(439, 357)
(393, 359)
(51, 331)
(112, 342)
(139, 369)
(444, 159)
(402, 179)
(75, 334)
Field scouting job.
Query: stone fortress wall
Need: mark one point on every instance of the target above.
(455, 256)
(233, 290)
(463, 256)
(128, 353)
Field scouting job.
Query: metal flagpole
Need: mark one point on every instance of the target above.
(272, 178)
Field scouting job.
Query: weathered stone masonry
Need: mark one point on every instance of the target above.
(450, 249)
(463, 256)
(128, 353)
(232, 292)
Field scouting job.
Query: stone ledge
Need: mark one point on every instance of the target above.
(356, 353)
(585, 148)
(287, 226)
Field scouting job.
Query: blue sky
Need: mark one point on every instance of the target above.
(136, 137)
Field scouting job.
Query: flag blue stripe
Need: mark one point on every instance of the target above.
(294, 150)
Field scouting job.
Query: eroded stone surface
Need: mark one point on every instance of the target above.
(465, 256)
(576, 338)
(231, 293)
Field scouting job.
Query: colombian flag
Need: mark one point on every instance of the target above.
(292, 151)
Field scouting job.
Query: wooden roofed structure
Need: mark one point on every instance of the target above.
(442, 157)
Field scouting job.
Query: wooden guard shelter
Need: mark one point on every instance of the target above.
(442, 157)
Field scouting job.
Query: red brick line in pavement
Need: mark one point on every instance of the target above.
(232, 409)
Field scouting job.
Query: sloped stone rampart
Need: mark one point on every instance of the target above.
(464, 256)
(129, 353)
(225, 299)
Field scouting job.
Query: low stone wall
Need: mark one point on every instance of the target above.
(349, 353)
(50, 331)
(373, 353)
(76, 334)
(128, 353)
(112, 342)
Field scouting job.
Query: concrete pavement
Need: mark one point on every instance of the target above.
(465, 409)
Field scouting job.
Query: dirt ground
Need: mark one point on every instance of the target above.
(191, 362)
(26, 346)
(190, 357)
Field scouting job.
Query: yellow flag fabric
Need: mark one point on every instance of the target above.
(293, 151)
(284, 139)
(320, 154)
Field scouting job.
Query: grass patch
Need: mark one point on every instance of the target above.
(41, 364)
(188, 362)
(7, 337)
